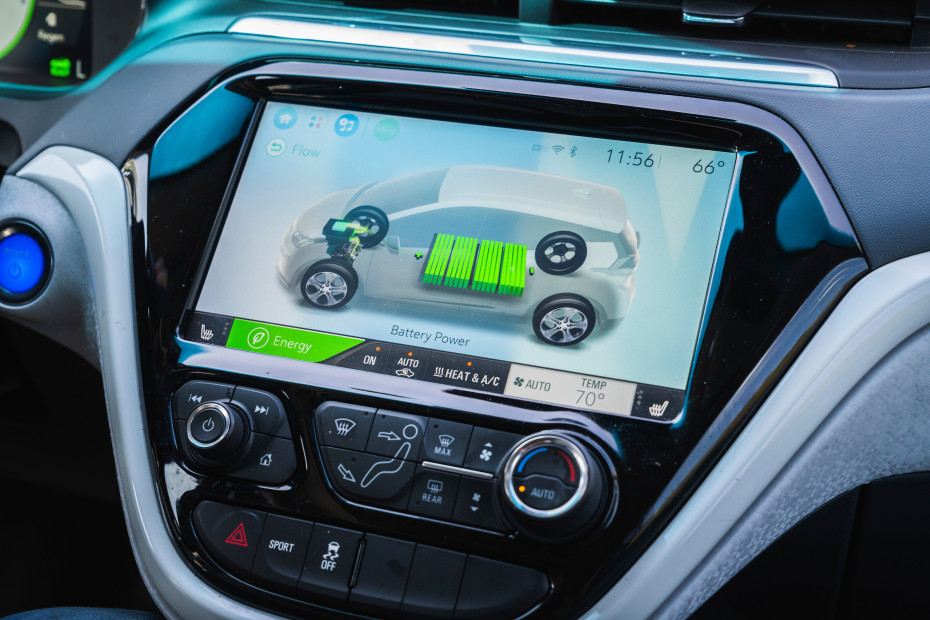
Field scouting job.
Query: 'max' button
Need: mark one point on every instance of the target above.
(445, 442)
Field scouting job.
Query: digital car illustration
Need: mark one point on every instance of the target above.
(556, 252)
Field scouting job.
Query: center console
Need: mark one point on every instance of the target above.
(421, 347)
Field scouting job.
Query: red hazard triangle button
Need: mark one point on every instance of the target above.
(237, 537)
(230, 535)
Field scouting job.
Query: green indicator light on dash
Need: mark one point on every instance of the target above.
(59, 67)
(289, 342)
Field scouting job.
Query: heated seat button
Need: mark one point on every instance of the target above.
(369, 478)
(343, 426)
(396, 434)
(328, 566)
(382, 576)
(270, 460)
(281, 553)
(475, 504)
(488, 448)
(433, 493)
(230, 535)
(542, 492)
(434, 583)
(195, 393)
(445, 442)
(264, 410)
(492, 590)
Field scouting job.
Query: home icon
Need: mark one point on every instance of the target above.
(265, 460)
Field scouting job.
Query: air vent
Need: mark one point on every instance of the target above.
(847, 22)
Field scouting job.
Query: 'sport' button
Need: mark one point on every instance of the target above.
(281, 553)
(542, 492)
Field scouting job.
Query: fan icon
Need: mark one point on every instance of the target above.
(518, 382)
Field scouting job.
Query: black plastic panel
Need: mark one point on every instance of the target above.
(771, 291)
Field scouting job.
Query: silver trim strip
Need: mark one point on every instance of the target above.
(632, 59)
(93, 191)
(452, 469)
(881, 311)
(688, 18)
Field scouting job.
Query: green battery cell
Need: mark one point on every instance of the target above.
(488, 268)
(513, 270)
(439, 252)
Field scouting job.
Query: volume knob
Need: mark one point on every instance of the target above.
(554, 489)
(216, 431)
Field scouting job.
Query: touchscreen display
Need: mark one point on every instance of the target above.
(560, 269)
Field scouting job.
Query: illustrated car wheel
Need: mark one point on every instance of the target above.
(561, 253)
(376, 221)
(563, 320)
(329, 284)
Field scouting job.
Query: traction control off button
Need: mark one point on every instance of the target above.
(229, 534)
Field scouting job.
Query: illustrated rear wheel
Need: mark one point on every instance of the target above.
(563, 320)
(329, 284)
(561, 253)
(374, 219)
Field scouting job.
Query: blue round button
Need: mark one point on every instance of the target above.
(22, 263)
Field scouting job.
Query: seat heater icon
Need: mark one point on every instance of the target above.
(343, 426)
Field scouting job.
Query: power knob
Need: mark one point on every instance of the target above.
(216, 432)
(553, 487)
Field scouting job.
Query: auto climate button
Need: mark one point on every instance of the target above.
(553, 487)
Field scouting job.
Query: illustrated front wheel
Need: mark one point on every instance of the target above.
(561, 253)
(329, 284)
(371, 218)
(564, 319)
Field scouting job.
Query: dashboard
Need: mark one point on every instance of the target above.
(423, 314)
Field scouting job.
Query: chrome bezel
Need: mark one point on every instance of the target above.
(227, 420)
(531, 443)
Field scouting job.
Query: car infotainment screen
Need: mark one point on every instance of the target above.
(565, 270)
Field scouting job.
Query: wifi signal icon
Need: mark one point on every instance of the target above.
(558, 148)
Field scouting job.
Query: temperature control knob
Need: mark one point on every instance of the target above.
(553, 487)
(216, 431)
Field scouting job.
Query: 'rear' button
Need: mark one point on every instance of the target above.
(445, 442)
